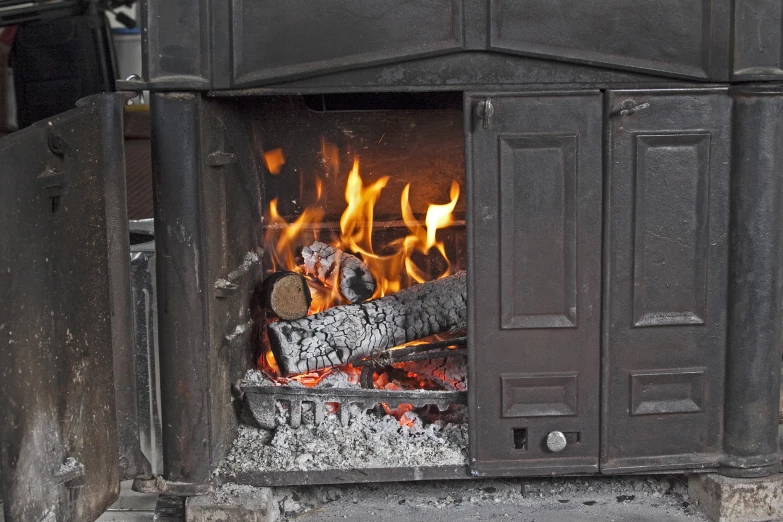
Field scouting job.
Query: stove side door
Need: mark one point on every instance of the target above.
(666, 277)
(63, 226)
(534, 281)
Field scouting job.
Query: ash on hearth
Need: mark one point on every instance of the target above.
(370, 440)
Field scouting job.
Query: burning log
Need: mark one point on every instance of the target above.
(287, 295)
(354, 279)
(347, 333)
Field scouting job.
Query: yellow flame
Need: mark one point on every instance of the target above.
(424, 239)
(282, 238)
(357, 219)
(439, 216)
(392, 267)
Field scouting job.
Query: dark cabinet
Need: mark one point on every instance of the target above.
(534, 259)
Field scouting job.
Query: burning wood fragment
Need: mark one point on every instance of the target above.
(347, 333)
(353, 278)
(287, 295)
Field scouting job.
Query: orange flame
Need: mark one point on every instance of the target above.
(274, 160)
(390, 268)
(421, 239)
(282, 238)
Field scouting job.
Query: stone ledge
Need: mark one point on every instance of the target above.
(232, 503)
(725, 499)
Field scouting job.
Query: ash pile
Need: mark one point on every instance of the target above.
(352, 432)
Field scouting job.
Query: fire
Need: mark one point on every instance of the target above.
(274, 160)
(282, 237)
(421, 239)
(391, 264)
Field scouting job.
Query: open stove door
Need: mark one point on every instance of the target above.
(533, 165)
(64, 283)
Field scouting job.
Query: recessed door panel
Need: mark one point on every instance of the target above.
(678, 37)
(280, 40)
(534, 192)
(665, 275)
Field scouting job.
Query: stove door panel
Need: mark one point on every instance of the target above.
(666, 276)
(63, 312)
(687, 38)
(272, 41)
(534, 222)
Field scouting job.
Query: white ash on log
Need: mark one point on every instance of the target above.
(287, 295)
(346, 333)
(354, 279)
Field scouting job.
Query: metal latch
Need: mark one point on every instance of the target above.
(630, 107)
(485, 109)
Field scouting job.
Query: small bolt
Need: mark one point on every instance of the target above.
(56, 144)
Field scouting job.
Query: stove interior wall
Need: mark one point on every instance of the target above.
(415, 139)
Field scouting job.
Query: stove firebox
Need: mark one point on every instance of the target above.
(609, 182)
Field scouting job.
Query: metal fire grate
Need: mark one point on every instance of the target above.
(261, 401)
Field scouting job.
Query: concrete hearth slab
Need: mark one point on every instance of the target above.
(725, 499)
(233, 503)
(594, 499)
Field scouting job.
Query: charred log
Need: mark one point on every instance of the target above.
(287, 295)
(347, 333)
(353, 278)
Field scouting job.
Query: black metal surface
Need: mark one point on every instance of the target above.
(62, 216)
(758, 40)
(534, 287)
(197, 45)
(181, 287)
(176, 43)
(665, 272)
(208, 220)
(755, 312)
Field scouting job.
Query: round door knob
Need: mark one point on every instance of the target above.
(556, 441)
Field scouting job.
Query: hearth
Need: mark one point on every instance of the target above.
(538, 238)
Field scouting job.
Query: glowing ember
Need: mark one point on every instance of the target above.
(274, 160)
